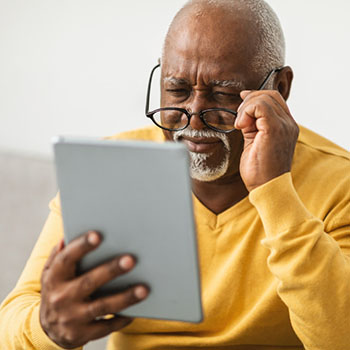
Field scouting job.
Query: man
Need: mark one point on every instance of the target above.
(272, 209)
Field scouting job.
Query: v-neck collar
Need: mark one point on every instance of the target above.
(217, 220)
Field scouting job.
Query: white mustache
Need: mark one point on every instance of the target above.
(202, 134)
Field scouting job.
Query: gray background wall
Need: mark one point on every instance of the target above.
(81, 67)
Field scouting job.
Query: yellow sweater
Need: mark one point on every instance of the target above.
(275, 268)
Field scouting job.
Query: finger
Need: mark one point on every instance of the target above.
(102, 328)
(61, 245)
(87, 283)
(57, 248)
(64, 264)
(273, 94)
(250, 112)
(257, 110)
(114, 304)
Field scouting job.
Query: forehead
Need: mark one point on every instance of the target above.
(228, 83)
(213, 45)
(180, 68)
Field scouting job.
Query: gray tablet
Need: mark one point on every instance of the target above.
(138, 195)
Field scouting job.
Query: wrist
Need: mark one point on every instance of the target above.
(264, 179)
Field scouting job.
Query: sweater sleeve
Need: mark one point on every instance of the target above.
(20, 327)
(311, 265)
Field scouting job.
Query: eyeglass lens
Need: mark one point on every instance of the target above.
(173, 119)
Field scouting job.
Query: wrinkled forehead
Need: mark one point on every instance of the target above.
(212, 52)
(212, 37)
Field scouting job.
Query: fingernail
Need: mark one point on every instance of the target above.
(126, 262)
(140, 292)
(61, 245)
(93, 238)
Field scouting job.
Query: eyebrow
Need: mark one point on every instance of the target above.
(239, 85)
(176, 81)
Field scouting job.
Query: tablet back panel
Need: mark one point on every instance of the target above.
(138, 195)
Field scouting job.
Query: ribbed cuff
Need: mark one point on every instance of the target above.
(279, 205)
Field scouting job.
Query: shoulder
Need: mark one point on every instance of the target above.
(321, 173)
(150, 133)
(319, 144)
(316, 155)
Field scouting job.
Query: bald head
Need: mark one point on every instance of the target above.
(248, 28)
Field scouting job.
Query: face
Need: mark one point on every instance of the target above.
(206, 66)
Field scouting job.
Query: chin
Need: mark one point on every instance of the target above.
(201, 171)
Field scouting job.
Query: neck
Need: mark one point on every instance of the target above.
(221, 194)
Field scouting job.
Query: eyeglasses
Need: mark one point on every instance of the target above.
(175, 119)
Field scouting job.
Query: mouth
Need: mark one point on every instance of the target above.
(201, 144)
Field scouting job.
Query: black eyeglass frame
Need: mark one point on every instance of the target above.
(150, 114)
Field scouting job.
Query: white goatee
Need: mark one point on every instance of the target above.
(199, 170)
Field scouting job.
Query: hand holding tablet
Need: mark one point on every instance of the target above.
(67, 313)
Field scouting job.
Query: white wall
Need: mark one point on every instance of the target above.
(81, 66)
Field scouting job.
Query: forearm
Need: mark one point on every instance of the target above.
(312, 270)
(20, 327)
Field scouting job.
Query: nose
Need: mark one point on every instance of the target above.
(196, 122)
(197, 105)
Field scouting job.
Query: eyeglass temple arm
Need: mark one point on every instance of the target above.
(149, 88)
(262, 86)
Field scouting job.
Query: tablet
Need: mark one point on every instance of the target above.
(137, 194)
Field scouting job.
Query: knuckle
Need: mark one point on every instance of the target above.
(268, 129)
(265, 105)
(275, 93)
(267, 111)
(88, 284)
(56, 318)
(57, 298)
(66, 319)
(51, 318)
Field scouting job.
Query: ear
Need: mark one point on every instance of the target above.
(283, 81)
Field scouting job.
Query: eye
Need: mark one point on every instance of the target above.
(227, 96)
(177, 93)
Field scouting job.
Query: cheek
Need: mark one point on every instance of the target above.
(236, 141)
(163, 97)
